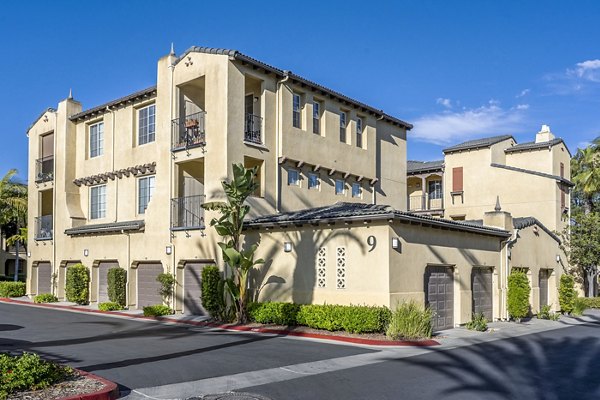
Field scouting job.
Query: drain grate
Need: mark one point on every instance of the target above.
(231, 396)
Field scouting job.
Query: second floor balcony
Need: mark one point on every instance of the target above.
(187, 213)
(428, 203)
(252, 129)
(44, 169)
(43, 227)
(188, 132)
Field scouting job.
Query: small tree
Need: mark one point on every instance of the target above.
(167, 286)
(518, 294)
(230, 226)
(566, 293)
(117, 281)
(77, 284)
(212, 292)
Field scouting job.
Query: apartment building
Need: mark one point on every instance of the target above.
(122, 184)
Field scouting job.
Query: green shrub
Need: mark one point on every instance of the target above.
(12, 289)
(579, 306)
(28, 372)
(213, 299)
(478, 323)
(117, 285)
(157, 310)
(518, 295)
(167, 283)
(109, 306)
(274, 313)
(45, 298)
(590, 302)
(410, 321)
(546, 313)
(77, 285)
(566, 293)
(354, 319)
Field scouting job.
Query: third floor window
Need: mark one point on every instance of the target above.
(146, 124)
(317, 118)
(96, 139)
(359, 132)
(297, 111)
(343, 127)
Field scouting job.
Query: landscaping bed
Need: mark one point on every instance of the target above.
(74, 385)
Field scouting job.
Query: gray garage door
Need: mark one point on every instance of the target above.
(103, 268)
(148, 287)
(544, 273)
(439, 294)
(44, 277)
(481, 286)
(192, 286)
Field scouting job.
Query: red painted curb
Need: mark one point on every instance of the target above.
(109, 392)
(282, 332)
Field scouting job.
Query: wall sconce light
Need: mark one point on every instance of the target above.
(28, 254)
(255, 99)
(287, 247)
(169, 250)
(396, 243)
(86, 252)
(558, 258)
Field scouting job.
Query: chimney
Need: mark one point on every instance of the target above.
(544, 135)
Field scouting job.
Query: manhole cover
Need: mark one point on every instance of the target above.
(231, 396)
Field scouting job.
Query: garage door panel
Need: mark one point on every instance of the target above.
(44, 277)
(192, 303)
(440, 296)
(148, 286)
(482, 292)
(544, 274)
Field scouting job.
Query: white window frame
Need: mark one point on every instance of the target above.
(293, 182)
(343, 192)
(360, 190)
(437, 189)
(343, 126)
(317, 181)
(359, 132)
(98, 192)
(147, 195)
(296, 111)
(96, 136)
(147, 124)
(316, 117)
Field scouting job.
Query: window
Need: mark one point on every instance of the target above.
(313, 181)
(293, 177)
(146, 124)
(356, 190)
(97, 139)
(562, 170)
(145, 192)
(343, 127)
(98, 202)
(296, 112)
(316, 118)
(435, 189)
(359, 132)
(457, 179)
(340, 186)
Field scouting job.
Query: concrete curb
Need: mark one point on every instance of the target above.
(109, 392)
(229, 327)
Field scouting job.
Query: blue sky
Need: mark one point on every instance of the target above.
(456, 70)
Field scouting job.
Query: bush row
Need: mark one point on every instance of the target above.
(157, 310)
(45, 298)
(12, 289)
(109, 306)
(589, 302)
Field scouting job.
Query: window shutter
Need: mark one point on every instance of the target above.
(562, 170)
(457, 179)
(562, 198)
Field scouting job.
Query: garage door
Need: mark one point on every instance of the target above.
(44, 277)
(192, 284)
(148, 287)
(439, 294)
(481, 287)
(103, 268)
(544, 273)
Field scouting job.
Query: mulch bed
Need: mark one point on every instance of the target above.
(74, 385)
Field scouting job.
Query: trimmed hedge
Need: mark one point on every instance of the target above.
(212, 291)
(45, 298)
(77, 286)
(590, 302)
(354, 319)
(12, 289)
(109, 306)
(117, 284)
(157, 311)
(567, 293)
(518, 295)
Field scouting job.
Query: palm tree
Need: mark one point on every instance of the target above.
(13, 207)
(586, 175)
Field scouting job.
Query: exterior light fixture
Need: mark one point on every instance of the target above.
(169, 250)
(86, 252)
(28, 254)
(395, 243)
(558, 258)
(287, 247)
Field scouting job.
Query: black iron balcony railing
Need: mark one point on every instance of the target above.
(188, 132)
(252, 129)
(43, 227)
(44, 169)
(187, 212)
(426, 202)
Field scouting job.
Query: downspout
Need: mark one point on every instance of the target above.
(54, 281)
(112, 168)
(171, 180)
(128, 295)
(278, 131)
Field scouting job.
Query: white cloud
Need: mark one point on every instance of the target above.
(453, 127)
(579, 79)
(522, 106)
(445, 102)
(523, 93)
(587, 70)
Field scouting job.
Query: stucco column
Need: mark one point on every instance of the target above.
(424, 192)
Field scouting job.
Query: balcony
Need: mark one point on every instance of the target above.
(44, 169)
(426, 204)
(188, 132)
(187, 213)
(252, 129)
(43, 228)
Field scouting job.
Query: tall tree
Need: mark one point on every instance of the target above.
(13, 208)
(230, 226)
(585, 172)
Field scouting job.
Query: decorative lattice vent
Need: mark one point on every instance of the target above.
(321, 267)
(340, 270)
